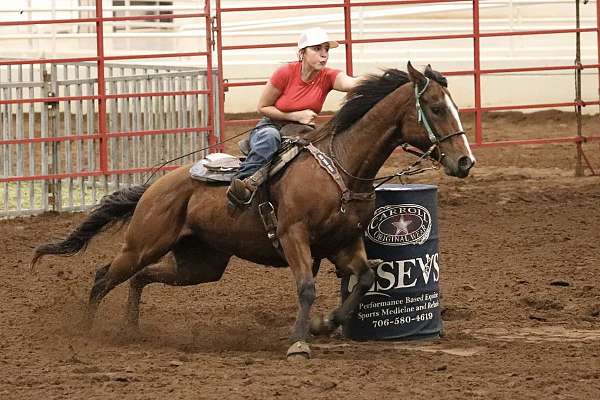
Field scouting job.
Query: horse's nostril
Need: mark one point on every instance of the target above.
(465, 163)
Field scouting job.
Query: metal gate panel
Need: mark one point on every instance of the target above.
(74, 129)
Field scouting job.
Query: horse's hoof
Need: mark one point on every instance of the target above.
(299, 350)
(320, 325)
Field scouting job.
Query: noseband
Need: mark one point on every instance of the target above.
(422, 119)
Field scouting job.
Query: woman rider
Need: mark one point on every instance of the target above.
(294, 93)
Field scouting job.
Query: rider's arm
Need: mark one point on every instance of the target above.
(266, 106)
(345, 83)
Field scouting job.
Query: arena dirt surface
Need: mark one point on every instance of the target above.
(520, 259)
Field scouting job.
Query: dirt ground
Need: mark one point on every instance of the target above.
(520, 261)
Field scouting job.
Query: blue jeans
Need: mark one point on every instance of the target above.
(264, 143)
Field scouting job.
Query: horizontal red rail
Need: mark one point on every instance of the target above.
(401, 3)
(47, 177)
(70, 138)
(108, 96)
(335, 5)
(107, 58)
(154, 94)
(87, 174)
(155, 132)
(48, 99)
(538, 32)
(538, 69)
(158, 16)
(281, 8)
(570, 139)
(105, 19)
(260, 46)
(49, 21)
(50, 61)
(156, 55)
(522, 69)
(237, 84)
(414, 38)
(96, 136)
(542, 105)
(456, 73)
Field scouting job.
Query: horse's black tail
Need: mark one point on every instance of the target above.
(115, 207)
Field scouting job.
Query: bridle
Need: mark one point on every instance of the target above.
(433, 138)
(422, 119)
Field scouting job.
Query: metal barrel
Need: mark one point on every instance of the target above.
(404, 301)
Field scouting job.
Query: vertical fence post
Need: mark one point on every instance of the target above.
(598, 45)
(211, 121)
(52, 161)
(6, 117)
(220, 87)
(348, 36)
(20, 134)
(477, 72)
(101, 88)
(54, 116)
(578, 164)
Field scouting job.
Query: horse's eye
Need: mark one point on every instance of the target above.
(437, 110)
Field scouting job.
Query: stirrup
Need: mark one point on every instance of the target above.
(236, 201)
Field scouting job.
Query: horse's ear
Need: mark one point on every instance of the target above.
(416, 77)
(428, 70)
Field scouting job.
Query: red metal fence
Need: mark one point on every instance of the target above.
(101, 98)
(477, 71)
(213, 22)
(125, 124)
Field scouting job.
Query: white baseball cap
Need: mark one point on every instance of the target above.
(314, 37)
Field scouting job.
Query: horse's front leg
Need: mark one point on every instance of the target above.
(351, 259)
(295, 243)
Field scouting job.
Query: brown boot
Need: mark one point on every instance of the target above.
(239, 193)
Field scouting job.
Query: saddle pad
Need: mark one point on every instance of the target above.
(215, 168)
(221, 167)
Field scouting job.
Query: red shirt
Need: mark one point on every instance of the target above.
(298, 95)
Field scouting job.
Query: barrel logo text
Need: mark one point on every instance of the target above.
(400, 225)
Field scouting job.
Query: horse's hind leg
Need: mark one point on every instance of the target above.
(190, 263)
(143, 246)
(124, 265)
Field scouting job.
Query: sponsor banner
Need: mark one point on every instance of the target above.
(403, 302)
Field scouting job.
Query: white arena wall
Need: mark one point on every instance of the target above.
(184, 35)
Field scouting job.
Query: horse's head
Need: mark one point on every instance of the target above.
(433, 124)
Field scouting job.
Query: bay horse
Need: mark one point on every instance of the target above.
(190, 219)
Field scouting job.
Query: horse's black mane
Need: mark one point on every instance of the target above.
(371, 91)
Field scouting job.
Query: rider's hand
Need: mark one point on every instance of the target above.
(305, 116)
